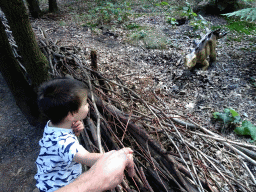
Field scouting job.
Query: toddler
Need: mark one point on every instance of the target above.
(64, 102)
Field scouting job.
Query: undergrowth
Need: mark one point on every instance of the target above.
(240, 26)
(122, 14)
(108, 12)
(148, 38)
(230, 118)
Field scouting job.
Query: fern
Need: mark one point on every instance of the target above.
(248, 14)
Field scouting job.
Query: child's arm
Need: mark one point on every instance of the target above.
(86, 158)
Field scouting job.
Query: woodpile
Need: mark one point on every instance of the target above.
(171, 151)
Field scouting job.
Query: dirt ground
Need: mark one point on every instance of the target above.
(198, 94)
(19, 145)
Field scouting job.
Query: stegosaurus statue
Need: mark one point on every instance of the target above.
(205, 47)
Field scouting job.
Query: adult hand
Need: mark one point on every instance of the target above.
(105, 174)
(109, 169)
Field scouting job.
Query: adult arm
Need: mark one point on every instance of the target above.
(105, 174)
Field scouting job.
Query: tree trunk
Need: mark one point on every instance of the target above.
(34, 8)
(23, 93)
(53, 7)
(35, 62)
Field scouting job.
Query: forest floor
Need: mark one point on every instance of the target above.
(19, 145)
(227, 83)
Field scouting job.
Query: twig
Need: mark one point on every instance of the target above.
(227, 144)
(250, 173)
(145, 180)
(246, 167)
(218, 138)
(94, 105)
(212, 165)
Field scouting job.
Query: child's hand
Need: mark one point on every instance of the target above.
(77, 127)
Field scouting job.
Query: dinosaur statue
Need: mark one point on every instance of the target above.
(204, 48)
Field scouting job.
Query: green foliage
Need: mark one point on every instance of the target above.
(188, 11)
(199, 23)
(151, 39)
(228, 116)
(138, 35)
(241, 26)
(110, 13)
(172, 21)
(235, 38)
(163, 3)
(247, 128)
(155, 40)
(247, 14)
(132, 26)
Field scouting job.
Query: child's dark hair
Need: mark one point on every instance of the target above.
(58, 97)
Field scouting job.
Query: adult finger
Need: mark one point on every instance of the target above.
(129, 161)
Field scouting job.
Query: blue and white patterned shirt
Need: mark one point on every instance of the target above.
(55, 167)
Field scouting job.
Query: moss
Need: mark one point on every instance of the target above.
(243, 27)
(237, 39)
(151, 38)
(132, 26)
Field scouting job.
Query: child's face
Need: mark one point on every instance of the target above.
(82, 111)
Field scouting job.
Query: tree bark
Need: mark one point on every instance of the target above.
(23, 93)
(34, 8)
(53, 7)
(35, 62)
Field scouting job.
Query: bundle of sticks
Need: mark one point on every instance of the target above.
(171, 152)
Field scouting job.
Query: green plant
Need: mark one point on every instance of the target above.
(132, 26)
(230, 117)
(138, 35)
(163, 6)
(163, 3)
(155, 40)
(150, 38)
(110, 13)
(172, 21)
(199, 23)
(245, 27)
(247, 128)
(247, 14)
(188, 11)
(235, 38)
